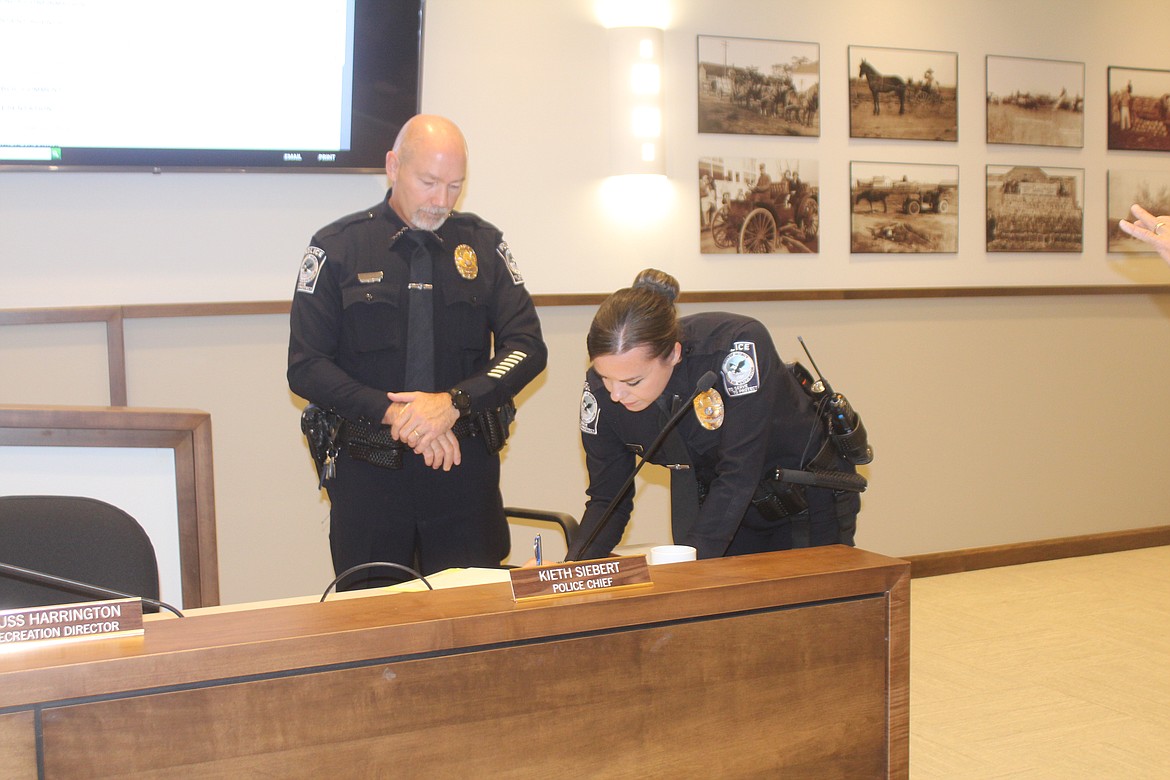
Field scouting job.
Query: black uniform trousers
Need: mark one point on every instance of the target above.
(416, 516)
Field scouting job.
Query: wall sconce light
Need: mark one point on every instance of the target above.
(635, 66)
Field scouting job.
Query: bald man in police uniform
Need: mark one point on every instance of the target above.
(396, 312)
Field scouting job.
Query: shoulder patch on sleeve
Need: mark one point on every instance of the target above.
(590, 411)
(506, 255)
(311, 265)
(740, 374)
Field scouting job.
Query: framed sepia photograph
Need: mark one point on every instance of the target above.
(759, 87)
(1035, 102)
(903, 207)
(903, 93)
(758, 205)
(1033, 209)
(1139, 109)
(1148, 189)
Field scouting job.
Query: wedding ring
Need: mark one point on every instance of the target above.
(1158, 228)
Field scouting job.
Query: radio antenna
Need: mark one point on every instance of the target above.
(820, 376)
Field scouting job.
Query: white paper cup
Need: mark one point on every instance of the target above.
(671, 553)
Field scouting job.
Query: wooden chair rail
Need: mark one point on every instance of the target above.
(114, 317)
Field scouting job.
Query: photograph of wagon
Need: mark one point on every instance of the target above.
(909, 197)
(903, 207)
(760, 212)
(758, 87)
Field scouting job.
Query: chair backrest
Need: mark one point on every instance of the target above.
(79, 538)
(524, 521)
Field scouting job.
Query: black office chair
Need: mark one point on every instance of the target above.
(79, 538)
(565, 523)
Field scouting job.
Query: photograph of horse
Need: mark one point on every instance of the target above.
(1035, 102)
(1139, 109)
(903, 93)
(759, 87)
(878, 83)
(871, 196)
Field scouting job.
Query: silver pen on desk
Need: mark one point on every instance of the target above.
(537, 552)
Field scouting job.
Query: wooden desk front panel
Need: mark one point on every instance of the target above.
(18, 747)
(780, 692)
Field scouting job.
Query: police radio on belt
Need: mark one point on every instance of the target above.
(844, 424)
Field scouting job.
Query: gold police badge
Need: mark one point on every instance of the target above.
(709, 409)
(466, 262)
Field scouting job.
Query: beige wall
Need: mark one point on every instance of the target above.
(994, 420)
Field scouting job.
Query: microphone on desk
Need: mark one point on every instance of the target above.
(704, 384)
(88, 588)
(371, 565)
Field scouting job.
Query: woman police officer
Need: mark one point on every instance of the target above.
(757, 418)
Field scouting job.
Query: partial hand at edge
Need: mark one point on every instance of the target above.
(1155, 231)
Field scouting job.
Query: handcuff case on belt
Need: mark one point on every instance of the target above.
(327, 432)
(776, 500)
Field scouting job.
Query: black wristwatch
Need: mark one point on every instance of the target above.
(461, 401)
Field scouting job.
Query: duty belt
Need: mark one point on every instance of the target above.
(372, 443)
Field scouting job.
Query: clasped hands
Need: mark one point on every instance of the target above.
(423, 422)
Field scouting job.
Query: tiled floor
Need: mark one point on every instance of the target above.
(1059, 669)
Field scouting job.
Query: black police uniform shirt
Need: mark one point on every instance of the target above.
(348, 339)
(768, 421)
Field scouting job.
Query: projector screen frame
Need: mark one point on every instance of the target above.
(380, 105)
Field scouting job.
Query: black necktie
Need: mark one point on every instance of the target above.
(684, 489)
(420, 329)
